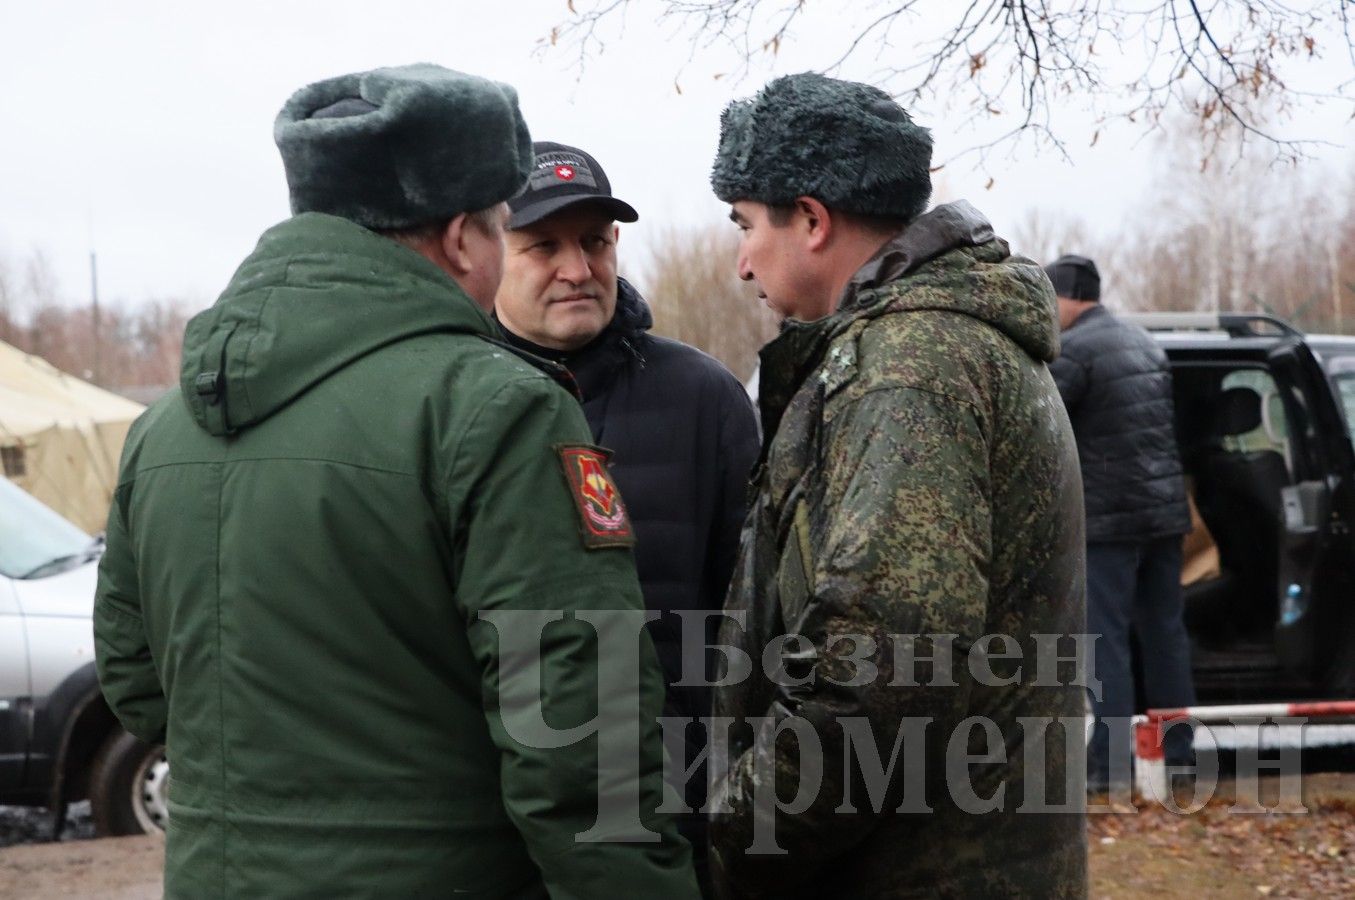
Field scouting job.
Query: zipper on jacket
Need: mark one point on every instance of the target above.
(639, 357)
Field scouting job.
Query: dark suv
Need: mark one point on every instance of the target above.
(1263, 417)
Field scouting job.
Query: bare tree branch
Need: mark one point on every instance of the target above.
(1220, 61)
(1346, 6)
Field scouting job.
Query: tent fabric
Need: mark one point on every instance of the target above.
(67, 433)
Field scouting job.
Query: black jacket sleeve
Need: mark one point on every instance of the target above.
(1071, 377)
(739, 444)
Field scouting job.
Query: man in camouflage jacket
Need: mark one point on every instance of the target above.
(917, 523)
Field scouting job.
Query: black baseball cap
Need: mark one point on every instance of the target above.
(564, 176)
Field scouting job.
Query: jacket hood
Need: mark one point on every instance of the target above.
(317, 293)
(953, 248)
(632, 314)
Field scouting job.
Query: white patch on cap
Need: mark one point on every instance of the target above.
(557, 168)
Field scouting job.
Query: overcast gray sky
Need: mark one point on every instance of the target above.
(146, 127)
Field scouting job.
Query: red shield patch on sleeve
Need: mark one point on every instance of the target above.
(602, 514)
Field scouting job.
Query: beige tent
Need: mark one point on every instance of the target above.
(60, 437)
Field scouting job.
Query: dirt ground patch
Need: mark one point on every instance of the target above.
(109, 869)
(1231, 849)
(1147, 852)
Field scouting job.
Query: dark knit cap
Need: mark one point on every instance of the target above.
(848, 145)
(1075, 278)
(403, 146)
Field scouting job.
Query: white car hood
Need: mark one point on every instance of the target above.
(57, 614)
(69, 595)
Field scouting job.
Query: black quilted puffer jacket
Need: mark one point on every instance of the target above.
(1117, 386)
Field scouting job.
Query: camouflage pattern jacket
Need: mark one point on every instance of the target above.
(920, 479)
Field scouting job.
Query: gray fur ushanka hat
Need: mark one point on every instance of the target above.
(403, 146)
(846, 144)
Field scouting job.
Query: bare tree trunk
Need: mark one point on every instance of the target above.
(1237, 265)
(697, 297)
(1212, 287)
(1334, 268)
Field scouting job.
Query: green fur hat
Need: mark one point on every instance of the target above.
(404, 146)
(848, 145)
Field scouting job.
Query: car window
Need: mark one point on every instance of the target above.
(1342, 372)
(1345, 384)
(33, 538)
(1273, 433)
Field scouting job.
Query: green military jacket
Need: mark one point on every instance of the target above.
(300, 551)
(920, 479)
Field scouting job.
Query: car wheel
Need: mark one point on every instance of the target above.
(129, 787)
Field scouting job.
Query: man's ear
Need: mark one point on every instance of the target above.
(454, 246)
(817, 222)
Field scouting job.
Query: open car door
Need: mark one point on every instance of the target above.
(1315, 540)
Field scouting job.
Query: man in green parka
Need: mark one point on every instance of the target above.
(314, 547)
(916, 529)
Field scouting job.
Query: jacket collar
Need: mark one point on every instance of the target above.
(594, 364)
(945, 228)
(789, 358)
(1092, 314)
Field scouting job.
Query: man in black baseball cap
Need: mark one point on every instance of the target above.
(556, 300)
(679, 427)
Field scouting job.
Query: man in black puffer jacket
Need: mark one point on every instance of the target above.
(1117, 386)
(681, 430)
